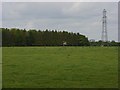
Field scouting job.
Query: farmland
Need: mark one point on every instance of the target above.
(0, 67)
(60, 67)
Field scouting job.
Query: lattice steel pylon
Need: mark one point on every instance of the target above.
(104, 28)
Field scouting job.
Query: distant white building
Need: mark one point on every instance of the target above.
(92, 40)
(64, 43)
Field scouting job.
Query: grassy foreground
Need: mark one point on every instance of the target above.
(0, 67)
(60, 67)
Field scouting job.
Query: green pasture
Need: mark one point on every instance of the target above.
(0, 67)
(60, 67)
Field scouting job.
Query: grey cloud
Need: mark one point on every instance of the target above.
(84, 18)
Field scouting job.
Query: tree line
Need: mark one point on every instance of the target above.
(33, 37)
(101, 43)
(22, 37)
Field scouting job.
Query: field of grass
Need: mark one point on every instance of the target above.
(60, 67)
(0, 67)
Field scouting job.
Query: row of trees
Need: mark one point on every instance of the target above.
(22, 37)
(108, 43)
(18, 37)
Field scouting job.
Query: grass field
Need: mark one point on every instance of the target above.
(60, 67)
(0, 67)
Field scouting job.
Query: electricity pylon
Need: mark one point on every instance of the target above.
(104, 28)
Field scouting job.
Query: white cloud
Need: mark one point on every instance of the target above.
(60, 0)
(84, 18)
(29, 25)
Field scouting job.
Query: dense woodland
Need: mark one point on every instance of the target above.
(22, 37)
(18, 37)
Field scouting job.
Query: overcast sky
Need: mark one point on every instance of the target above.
(85, 18)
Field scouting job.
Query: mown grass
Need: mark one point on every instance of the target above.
(0, 67)
(60, 67)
